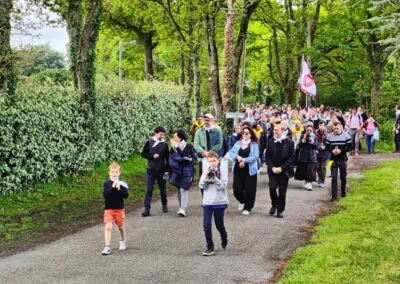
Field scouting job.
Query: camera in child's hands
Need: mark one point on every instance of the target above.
(211, 174)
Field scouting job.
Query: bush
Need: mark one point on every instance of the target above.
(386, 131)
(44, 135)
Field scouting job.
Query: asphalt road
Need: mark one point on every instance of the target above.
(165, 248)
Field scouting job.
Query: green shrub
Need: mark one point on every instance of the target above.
(386, 131)
(44, 135)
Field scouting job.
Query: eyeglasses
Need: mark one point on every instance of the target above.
(246, 133)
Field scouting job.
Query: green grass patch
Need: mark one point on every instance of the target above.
(64, 204)
(360, 244)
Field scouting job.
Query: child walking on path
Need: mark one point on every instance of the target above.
(213, 182)
(114, 192)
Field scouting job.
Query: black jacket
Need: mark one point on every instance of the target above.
(287, 155)
(114, 198)
(160, 165)
(308, 151)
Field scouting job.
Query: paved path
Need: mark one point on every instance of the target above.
(165, 248)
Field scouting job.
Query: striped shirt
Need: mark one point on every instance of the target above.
(341, 141)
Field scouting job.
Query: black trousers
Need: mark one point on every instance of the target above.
(244, 190)
(339, 166)
(280, 183)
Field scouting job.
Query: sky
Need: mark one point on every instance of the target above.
(56, 37)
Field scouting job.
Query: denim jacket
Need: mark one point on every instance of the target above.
(252, 159)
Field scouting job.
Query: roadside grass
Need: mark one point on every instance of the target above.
(64, 205)
(360, 244)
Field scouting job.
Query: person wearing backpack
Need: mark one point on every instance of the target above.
(355, 124)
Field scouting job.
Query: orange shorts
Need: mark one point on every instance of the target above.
(116, 216)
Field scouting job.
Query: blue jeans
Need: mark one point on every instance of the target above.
(219, 223)
(162, 184)
(370, 143)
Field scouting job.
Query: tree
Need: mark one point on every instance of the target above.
(7, 75)
(138, 17)
(371, 40)
(211, 10)
(34, 59)
(388, 22)
(185, 19)
(232, 55)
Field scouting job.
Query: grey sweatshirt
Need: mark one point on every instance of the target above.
(215, 192)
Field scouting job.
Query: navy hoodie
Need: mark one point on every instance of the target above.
(114, 198)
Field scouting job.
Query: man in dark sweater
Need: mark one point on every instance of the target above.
(279, 158)
(338, 143)
(157, 153)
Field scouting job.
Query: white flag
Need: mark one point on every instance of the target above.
(306, 80)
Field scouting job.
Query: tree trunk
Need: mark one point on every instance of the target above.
(148, 56)
(190, 76)
(86, 69)
(377, 78)
(196, 81)
(74, 21)
(7, 75)
(229, 60)
(213, 67)
(182, 69)
(232, 56)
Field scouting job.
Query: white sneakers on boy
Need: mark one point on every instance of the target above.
(241, 207)
(106, 251)
(181, 212)
(245, 212)
(122, 245)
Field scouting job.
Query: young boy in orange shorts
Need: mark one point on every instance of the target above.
(114, 192)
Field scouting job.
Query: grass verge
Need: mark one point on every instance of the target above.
(49, 211)
(359, 244)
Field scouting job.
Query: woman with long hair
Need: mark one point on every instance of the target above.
(182, 159)
(245, 155)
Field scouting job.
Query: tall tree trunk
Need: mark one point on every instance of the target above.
(148, 56)
(232, 56)
(87, 70)
(7, 75)
(377, 78)
(74, 21)
(196, 80)
(229, 63)
(213, 66)
(182, 69)
(190, 80)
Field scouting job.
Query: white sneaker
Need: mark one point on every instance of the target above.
(305, 185)
(245, 212)
(106, 251)
(181, 212)
(241, 206)
(122, 245)
(309, 186)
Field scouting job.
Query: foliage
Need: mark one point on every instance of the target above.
(34, 59)
(45, 135)
(359, 244)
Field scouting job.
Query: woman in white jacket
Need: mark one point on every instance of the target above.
(213, 182)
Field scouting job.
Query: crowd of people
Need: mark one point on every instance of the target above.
(292, 142)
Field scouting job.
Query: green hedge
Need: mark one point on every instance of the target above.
(43, 135)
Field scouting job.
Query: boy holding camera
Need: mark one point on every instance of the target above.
(213, 182)
(114, 192)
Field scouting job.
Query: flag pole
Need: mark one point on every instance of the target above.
(306, 101)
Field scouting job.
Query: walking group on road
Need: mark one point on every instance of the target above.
(292, 142)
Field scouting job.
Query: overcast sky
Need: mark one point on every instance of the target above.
(57, 37)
